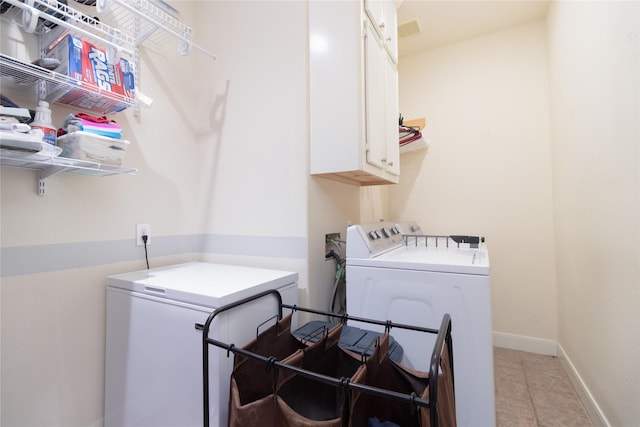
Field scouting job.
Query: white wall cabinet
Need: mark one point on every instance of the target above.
(353, 92)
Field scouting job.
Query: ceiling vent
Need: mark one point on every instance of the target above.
(409, 28)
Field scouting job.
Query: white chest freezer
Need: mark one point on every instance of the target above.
(153, 366)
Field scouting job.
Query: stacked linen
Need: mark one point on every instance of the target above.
(96, 139)
(82, 145)
(91, 124)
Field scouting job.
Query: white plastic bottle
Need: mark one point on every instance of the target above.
(42, 120)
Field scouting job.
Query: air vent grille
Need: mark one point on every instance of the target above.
(409, 28)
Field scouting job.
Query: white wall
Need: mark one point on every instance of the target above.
(488, 169)
(251, 105)
(548, 114)
(58, 249)
(222, 176)
(595, 90)
(253, 131)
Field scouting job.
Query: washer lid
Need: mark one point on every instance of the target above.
(441, 259)
(201, 283)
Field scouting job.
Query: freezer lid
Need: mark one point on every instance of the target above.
(201, 283)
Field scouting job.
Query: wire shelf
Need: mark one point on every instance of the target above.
(154, 24)
(49, 166)
(53, 20)
(52, 86)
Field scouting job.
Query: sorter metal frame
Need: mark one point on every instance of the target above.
(443, 337)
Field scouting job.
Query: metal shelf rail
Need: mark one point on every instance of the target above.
(51, 86)
(151, 22)
(33, 14)
(443, 337)
(49, 166)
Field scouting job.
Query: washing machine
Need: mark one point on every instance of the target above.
(415, 279)
(153, 366)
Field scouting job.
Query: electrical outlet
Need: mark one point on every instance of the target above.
(143, 230)
(331, 241)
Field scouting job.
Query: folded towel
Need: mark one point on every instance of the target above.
(95, 125)
(101, 130)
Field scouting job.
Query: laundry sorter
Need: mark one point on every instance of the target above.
(323, 377)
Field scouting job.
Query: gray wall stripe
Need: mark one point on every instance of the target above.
(20, 260)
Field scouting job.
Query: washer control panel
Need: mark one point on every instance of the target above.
(371, 239)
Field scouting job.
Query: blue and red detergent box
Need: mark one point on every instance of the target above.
(87, 63)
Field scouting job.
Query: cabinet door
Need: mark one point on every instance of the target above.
(376, 11)
(375, 98)
(391, 30)
(391, 117)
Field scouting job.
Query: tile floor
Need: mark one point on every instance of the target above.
(533, 390)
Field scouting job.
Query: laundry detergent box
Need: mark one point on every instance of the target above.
(106, 88)
(72, 52)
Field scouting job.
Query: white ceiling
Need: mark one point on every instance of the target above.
(447, 21)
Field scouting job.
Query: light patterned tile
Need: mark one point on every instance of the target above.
(512, 412)
(511, 382)
(534, 390)
(542, 365)
(558, 407)
(504, 357)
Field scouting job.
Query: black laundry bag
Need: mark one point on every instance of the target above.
(382, 372)
(307, 402)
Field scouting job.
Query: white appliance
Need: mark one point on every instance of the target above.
(153, 374)
(414, 279)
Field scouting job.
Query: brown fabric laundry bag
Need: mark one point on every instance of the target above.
(446, 402)
(306, 402)
(381, 372)
(251, 394)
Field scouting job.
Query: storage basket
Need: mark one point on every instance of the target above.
(95, 148)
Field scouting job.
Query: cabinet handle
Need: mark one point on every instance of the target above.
(390, 163)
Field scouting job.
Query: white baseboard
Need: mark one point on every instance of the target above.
(590, 404)
(525, 343)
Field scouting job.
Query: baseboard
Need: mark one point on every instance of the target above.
(525, 343)
(590, 404)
